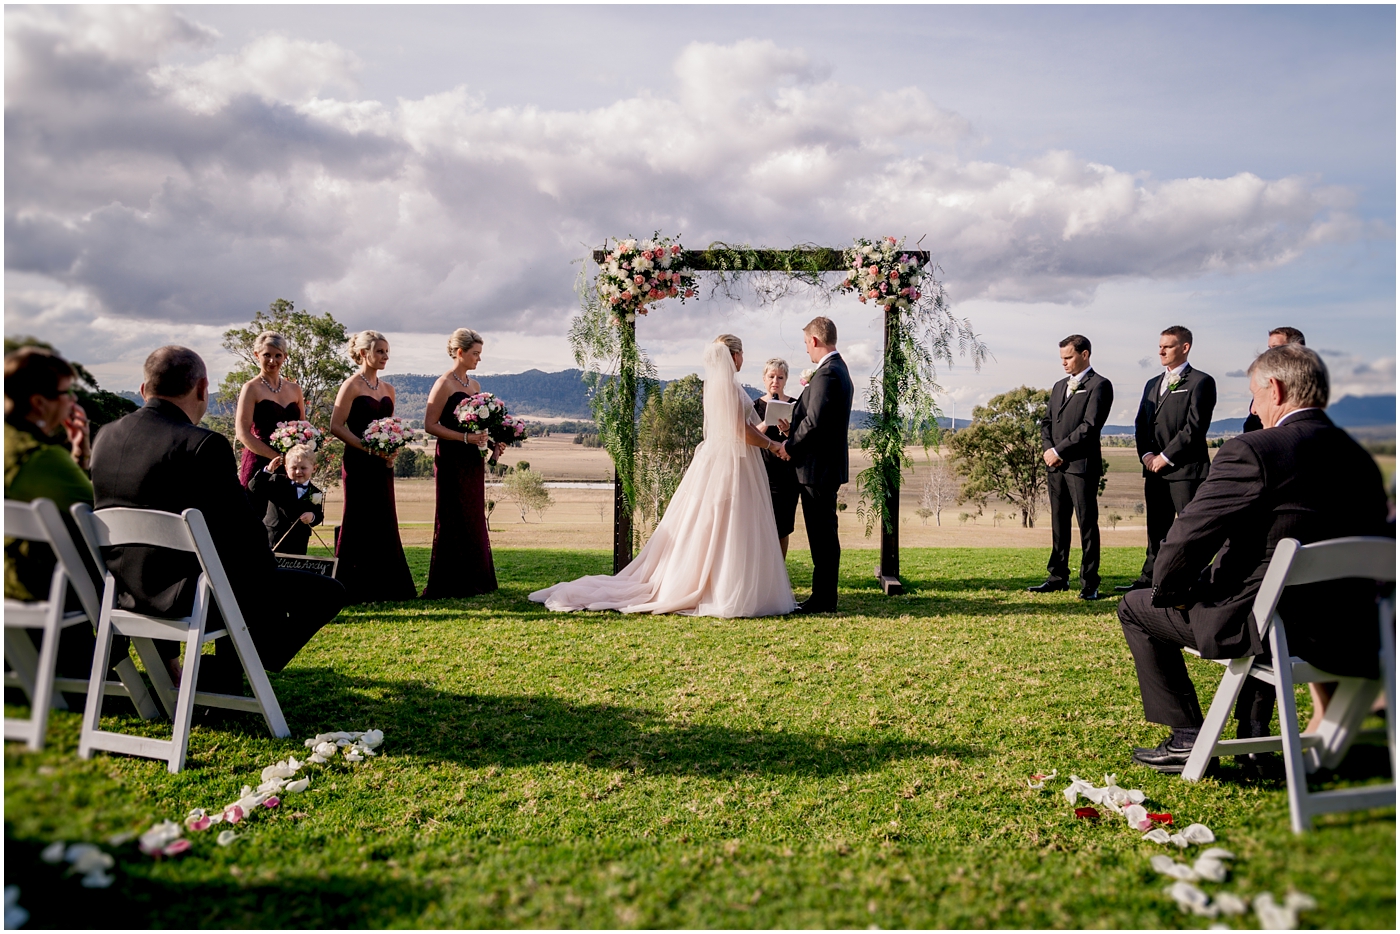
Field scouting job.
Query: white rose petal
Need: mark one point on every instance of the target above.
(53, 853)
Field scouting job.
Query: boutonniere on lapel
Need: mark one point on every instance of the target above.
(1173, 381)
(318, 497)
(807, 375)
(1073, 385)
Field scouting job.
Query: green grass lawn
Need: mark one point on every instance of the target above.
(598, 770)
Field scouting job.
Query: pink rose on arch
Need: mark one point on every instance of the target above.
(672, 292)
(639, 280)
(874, 270)
(689, 293)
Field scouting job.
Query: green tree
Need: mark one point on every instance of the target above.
(1000, 453)
(316, 357)
(316, 360)
(100, 405)
(413, 463)
(672, 427)
(526, 489)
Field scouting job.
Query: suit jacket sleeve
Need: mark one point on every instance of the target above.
(1047, 440)
(806, 432)
(1142, 428)
(1198, 412)
(1073, 445)
(1235, 486)
(239, 536)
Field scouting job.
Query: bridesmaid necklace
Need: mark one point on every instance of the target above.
(375, 387)
(453, 374)
(269, 385)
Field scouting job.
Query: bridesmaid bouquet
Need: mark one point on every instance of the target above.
(386, 435)
(288, 435)
(481, 412)
(511, 430)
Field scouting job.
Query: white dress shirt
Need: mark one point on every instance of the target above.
(1286, 417)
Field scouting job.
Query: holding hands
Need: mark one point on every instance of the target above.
(1155, 462)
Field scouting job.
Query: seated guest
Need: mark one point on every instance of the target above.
(1277, 338)
(294, 503)
(46, 441)
(159, 458)
(1300, 477)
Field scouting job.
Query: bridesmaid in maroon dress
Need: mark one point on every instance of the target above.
(372, 563)
(461, 565)
(265, 400)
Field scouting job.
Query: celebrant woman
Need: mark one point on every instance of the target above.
(372, 564)
(265, 400)
(461, 565)
(782, 476)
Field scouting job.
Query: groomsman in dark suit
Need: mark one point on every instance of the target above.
(1300, 477)
(1277, 338)
(1078, 410)
(818, 449)
(1172, 422)
(159, 458)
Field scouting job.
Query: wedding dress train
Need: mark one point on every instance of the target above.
(715, 551)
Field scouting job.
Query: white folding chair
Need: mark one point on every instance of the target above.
(1294, 564)
(33, 671)
(186, 532)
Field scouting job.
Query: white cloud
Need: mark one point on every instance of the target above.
(195, 192)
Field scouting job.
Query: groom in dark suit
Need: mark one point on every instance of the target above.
(818, 449)
(1171, 427)
(1078, 410)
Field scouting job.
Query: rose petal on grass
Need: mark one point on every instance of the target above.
(159, 837)
(318, 759)
(119, 839)
(272, 785)
(226, 837)
(176, 848)
(1216, 852)
(272, 802)
(1189, 898)
(1299, 902)
(97, 879)
(1170, 867)
(87, 858)
(1198, 833)
(1163, 818)
(1136, 815)
(325, 749)
(298, 786)
(53, 853)
(1273, 916)
(233, 813)
(1179, 840)
(1090, 813)
(373, 738)
(1231, 904)
(1212, 870)
(1157, 835)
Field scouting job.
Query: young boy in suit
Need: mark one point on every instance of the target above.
(294, 503)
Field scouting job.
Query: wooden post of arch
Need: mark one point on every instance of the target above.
(825, 259)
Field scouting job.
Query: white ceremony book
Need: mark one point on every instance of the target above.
(778, 412)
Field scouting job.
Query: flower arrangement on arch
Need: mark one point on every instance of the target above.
(386, 435)
(881, 271)
(288, 435)
(635, 274)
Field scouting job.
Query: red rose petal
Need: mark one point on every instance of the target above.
(1090, 813)
(1160, 818)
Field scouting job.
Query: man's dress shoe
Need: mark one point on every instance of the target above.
(1168, 756)
(1135, 585)
(811, 605)
(1050, 586)
(1089, 593)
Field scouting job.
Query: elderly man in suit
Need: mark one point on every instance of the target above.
(1078, 409)
(1300, 477)
(1171, 427)
(1277, 338)
(159, 458)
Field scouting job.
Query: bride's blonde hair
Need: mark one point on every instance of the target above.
(733, 343)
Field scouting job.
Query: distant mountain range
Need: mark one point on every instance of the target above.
(563, 395)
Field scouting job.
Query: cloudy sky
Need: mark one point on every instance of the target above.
(1103, 170)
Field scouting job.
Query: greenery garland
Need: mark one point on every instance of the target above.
(920, 331)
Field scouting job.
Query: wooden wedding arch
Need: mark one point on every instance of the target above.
(811, 260)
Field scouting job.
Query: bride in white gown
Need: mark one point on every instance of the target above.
(715, 552)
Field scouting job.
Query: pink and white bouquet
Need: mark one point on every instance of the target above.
(511, 430)
(386, 435)
(481, 411)
(288, 435)
(882, 272)
(635, 274)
